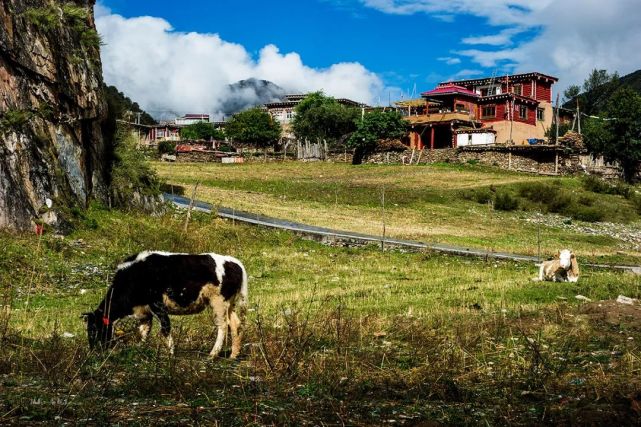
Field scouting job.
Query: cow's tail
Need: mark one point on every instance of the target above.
(243, 297)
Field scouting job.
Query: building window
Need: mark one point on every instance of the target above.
(290, 114)
(517, 89)
(460, 108)
(523, 112)
(540, 114)
(488, 112)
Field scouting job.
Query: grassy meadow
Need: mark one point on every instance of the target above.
(435, 203)
(335, 335)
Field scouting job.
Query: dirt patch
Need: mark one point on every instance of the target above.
(614, 313)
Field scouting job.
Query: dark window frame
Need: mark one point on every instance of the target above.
(487, 108)
(523, 110)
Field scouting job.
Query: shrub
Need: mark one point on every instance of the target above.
(46, 18)
(14, 119)
(166, 147)
(132, 177)
(586, 213)
(597, 185)
(636, 202)
(479, 195)
(504, 201)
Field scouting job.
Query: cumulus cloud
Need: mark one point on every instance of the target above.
(175, 72)
(566, 38)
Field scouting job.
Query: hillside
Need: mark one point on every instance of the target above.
(632, 80)
(121, 107)
(595, 100)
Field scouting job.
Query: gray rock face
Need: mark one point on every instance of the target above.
(52, 110)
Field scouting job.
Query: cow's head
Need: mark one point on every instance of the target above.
(99, 329)
(565, 258)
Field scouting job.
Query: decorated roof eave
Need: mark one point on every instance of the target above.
(511, 78)
(508, 96)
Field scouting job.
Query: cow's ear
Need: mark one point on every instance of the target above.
(572, 255)
(558, 254)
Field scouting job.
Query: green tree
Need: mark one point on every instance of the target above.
(319, 117)
(375, 126)
(618, 136)
(254, 126)
(597, 89)
(201, 130)
(570, 93)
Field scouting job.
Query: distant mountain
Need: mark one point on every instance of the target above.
(250, 93)
(595, 100)
(123, 108)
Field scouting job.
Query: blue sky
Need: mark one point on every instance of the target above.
(325, 32)
(366, 49)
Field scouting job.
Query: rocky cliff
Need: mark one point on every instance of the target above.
(52, 110)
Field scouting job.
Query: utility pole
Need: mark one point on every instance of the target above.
(578, 115)
(556, 139)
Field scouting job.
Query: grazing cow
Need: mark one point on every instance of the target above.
(563, 268)
(160, 283)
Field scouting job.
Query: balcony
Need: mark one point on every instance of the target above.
(440, 117)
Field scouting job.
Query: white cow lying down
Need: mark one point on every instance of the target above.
(563, 268)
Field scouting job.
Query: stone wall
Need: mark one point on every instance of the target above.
(522, 160)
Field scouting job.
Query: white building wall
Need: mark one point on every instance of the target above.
(465, 139)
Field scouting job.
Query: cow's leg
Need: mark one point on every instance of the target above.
(542, 272)
(145, 327)
(220, 307)
(144, 316)
(160, 310)
(236, 327)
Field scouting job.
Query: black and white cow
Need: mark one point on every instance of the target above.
(161, 283)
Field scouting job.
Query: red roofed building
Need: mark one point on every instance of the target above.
(515, 108)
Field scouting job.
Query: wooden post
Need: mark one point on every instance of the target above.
(383, 217)
(191, 206)
(578, 115)
(432, 138)
(556, 139)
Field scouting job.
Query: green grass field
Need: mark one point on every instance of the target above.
(335, 335)
(425, 203)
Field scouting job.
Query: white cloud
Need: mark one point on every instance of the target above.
(498, 12)
(466, 73)
(504, 37)
(568, 38)
(170, 71)
(450, 60)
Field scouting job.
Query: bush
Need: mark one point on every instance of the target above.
(46, 18)
(479, 195)
(166, 147)
(14, 119)
(586, 213)
(504, 201)
(133, 181)
(597, 185)
(636, 202)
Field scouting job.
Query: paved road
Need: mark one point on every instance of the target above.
(183, 202)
